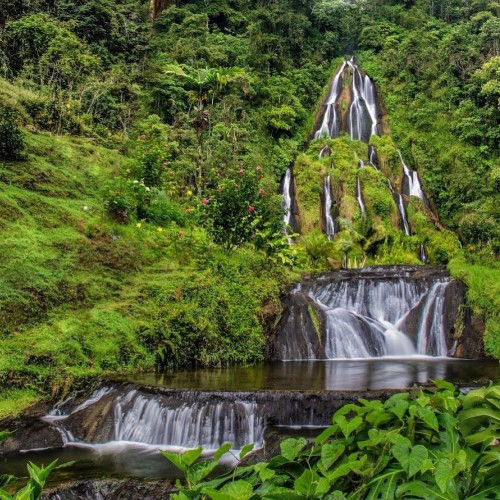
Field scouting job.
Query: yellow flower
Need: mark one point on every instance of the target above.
(160, 229)
(139, 224)
(189, 193)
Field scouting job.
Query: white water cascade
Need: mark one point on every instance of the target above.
(359, 196)
(330, 124)
(363, 110)
(383, 312)
(287, 200)
(327, 194)
(422, 254)
(413, 187)
(401, 208)
(138, 418)
(155, 421)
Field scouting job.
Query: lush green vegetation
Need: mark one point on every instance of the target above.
(139, 167)
(414, 445)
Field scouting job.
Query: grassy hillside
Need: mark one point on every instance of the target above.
(140, 164)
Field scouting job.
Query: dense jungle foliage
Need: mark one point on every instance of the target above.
(437, 445)
(140, 161)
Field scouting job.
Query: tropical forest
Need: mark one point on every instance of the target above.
(249, 249)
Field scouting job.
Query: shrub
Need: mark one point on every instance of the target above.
(11, 136)
(415, 445)
(240, 205)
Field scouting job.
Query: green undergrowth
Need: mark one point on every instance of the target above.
(437, 444)
(377, 237)
(14, 401)
(482, 276)
(82, 295)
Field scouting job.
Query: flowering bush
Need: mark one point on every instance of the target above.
(239, 205)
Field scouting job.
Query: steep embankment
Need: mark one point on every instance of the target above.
(82, 295)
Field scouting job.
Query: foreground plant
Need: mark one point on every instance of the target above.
(37, 478)
(431, 445)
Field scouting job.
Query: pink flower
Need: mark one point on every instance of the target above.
(165, 163)
(261, 191)
(205, 202)
(258, 168)
(242, 171)
(251, 209)
(142, 137)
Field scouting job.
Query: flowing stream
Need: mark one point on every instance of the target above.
(327, 194)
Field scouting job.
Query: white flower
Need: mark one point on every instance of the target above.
(136, 182)
(85, 208)
(147, 188)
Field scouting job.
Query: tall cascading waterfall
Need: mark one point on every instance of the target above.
(330, 126)
(158, 421)
(287, 201)
(373, 313)
(327, 207)
(423, 254)
(362, 123)
(363, 114)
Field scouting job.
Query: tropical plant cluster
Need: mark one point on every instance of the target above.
(427, 444)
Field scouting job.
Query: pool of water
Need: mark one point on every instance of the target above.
(328, 375)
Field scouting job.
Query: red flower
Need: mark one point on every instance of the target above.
(181, 234)
(251, 209)
(261, 176)
(205, 202)
(261, 191)
(188, 211)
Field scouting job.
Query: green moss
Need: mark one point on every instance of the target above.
(313, 316)
(14, 401)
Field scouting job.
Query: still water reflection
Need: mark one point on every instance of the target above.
(332, 375)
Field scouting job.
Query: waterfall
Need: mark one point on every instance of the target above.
(158, 421)
(360, 199)
(413, 187)
(363, 109)
(329, 223)
(422, 254)
(330, 124)
(372, 156)
(143, 419)
(429, 337)
(287, 201)
(401, 208)
(380, 312)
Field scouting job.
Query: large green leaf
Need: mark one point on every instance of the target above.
(416, 459)
(443, 473)
(330, 452)
(290, 448)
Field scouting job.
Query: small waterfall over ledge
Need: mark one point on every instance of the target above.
(115, 417)
(370, 313)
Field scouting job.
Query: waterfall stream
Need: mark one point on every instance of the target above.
(359, 196)
(327, 194)
(381, 313)
(287, 201)
(411, 182)
(330, 126)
